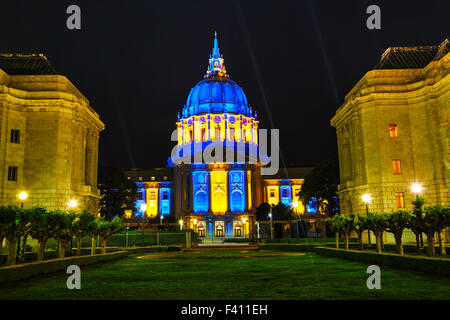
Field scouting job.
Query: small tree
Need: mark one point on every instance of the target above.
(7, 217)
(377, 223)
(93, 231)
(435, 220)
(360, 224)
(106, 229)
(336, 224)
(81, 226)
(415, 222)
(396, 222)
(42, 224)
(62, 230)
(14, 229)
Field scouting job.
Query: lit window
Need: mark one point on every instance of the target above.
(152, 178)
(393, 130)
(12, 173)
(400, 198)
(140, 178)
(15, 136)
(272, 193)
(396, 166)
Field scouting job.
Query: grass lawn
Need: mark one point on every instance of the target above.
(231, 275)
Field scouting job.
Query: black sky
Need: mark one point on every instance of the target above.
(137, 60)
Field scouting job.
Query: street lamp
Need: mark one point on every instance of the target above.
(181, 224)
(143, 209)
(72, 204)
(295, 205)
(23, 196)
(417, 188)
(271, 229)
(366, 198)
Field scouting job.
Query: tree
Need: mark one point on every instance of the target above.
(17, 220)
(7, 217)
(262, 212)
(435, 221)
(42, 224)
(320, 187)
(360, 224)
(396, 222)
(118, 193)
(81, 226)
(342, 225)
(377, 223)
(93, 231)
(62, 230)
(108, 228)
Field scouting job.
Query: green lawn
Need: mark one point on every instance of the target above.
(231, 275)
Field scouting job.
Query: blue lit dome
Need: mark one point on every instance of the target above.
(216, 95)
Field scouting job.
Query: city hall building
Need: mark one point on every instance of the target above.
(217, 198)
(48, 137)
(393, 132)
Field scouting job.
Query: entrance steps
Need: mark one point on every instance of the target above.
(222, 247)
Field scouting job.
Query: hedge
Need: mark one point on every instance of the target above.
(138, 250)
(388, 247)
(28, 270)
(287, 247)
(430, 265)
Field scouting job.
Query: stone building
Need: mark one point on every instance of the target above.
(49, 136)
(392, 131)
(216, 199)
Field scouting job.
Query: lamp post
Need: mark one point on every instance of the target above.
(295, 206)
(72, 204)
(143, 209)
(23, 196)
(181, 224)
(244, 220)
(417, 188)
(271, 229)
(366, 198)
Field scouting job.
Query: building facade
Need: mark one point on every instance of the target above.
(48, 139)
(215, 198)
(392, 132)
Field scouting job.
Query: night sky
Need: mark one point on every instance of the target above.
(136, 61)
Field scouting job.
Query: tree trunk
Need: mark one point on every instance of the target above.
(430, 244)
(12, 251)
(41, 249)
(62, 246)
(398, 243)
(1, 250)
(346, 241)
(360, 241)
(378, 240)
(22, 251)
(418, 242)
(337, 240)
(79, 246)
(103, 245)
(442, 243)
(93, 246)
(381, 240)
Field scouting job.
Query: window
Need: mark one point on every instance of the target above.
(393, 130)
(400, 198)
(152, 178)
(272, 193)
(396, 166)
(15, 136)
(12, 173)
(140, 195)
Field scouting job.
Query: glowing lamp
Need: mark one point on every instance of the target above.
(180, 222)
(366, 198)
(295, 204)
(416, 188)
(194, 222)
(143, 207)
(23, 195)
(270, 215)
(244, 220)
(73, 203)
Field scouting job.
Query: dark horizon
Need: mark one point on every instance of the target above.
(137, 61)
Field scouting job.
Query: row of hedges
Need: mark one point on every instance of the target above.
(24, 271)
(407, 248)
(139, 250)
(424, 264)
(300, 247)
(236, 240)
(303, 240)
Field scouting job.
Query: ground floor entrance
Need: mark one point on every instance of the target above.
(223, 226)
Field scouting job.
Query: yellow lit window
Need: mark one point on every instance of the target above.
(219, 191)
(152, 201)
(273, 195)
(400, 198)
(396, 167)
(393, 130)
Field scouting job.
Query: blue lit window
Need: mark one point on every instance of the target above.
(285, 195)
(200, 191)
(237, 191)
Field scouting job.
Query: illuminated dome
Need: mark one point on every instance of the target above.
(217, 93)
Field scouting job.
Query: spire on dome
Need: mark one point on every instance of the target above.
(216, 67)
